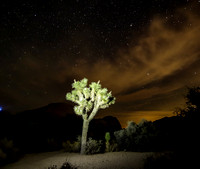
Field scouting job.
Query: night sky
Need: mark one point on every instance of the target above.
(145, 52)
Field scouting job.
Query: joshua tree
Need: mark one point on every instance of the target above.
(107, 137)
(90, 100)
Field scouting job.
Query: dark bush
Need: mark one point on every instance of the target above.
(94, 146)
(113, 146)
(52, 167)
(137, 137)
(8, 151)
(67, 165)
(172, 160)
(121, 139)
(125, 137)
(74, 146)
(159, 160)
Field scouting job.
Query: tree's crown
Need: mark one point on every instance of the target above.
(88, 97)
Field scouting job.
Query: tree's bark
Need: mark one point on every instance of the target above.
(94, 112)
(84, 135)
(86, 121)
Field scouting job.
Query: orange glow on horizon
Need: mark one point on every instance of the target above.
(137, 116)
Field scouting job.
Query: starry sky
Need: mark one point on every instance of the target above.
(145, 52)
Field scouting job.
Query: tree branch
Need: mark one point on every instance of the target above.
(94, 111)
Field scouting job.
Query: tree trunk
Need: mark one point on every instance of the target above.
(84, 135)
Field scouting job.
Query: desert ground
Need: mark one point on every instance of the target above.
(117, 160)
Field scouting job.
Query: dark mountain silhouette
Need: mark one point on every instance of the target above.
(45, 128)
(53, 110)
(181, 132)
(99, 127)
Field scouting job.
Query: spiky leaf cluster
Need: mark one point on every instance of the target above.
(107, 136)
(89, 97)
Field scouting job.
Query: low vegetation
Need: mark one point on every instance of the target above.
(8, 151)
(66, 165)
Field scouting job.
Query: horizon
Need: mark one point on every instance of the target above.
(123, 118)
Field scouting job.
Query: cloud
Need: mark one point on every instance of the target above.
(162, 62)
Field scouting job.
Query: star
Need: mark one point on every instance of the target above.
(127, 45)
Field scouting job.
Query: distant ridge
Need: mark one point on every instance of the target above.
(32, 129)
(53, 109)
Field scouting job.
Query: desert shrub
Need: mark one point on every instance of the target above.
(67, 146)
(94, 146)
(76, 146)
(165, 160)
(136, 137)
(145, 139)
(72, 146)
(67, 165)
(125, 137)
(52, 167)
(121, 138)
(110, 144)
(107, 138)
(8, 151)
(113, 146)
(2, 156)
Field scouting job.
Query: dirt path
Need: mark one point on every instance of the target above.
(117, 160)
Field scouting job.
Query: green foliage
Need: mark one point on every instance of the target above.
(89, 97)
(94, 146)
(107, 136)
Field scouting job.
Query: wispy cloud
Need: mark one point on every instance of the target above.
(164, 60)
(160, 63)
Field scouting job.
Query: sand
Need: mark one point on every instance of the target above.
(115, 160)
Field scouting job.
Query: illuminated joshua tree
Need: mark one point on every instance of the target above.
(90, 100)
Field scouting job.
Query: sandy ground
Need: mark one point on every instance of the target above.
(115, 160)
